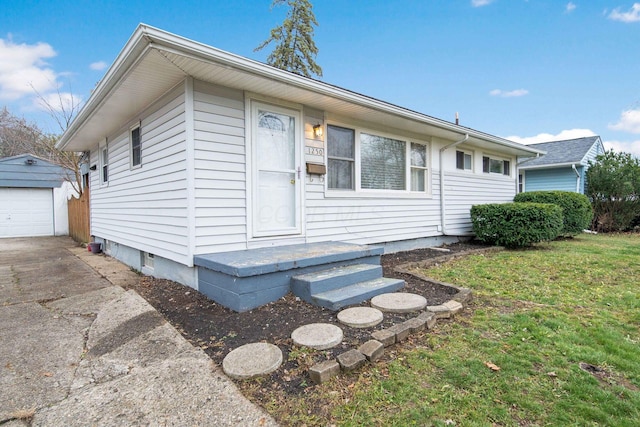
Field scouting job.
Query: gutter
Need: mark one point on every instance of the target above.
(443, 215)
(573, 166)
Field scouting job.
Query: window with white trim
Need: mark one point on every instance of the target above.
(104, 164)
(464, 160)
(341, 158)
(135, 142)
(496, 166)
(367, 161)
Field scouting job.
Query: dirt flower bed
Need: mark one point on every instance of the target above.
(218, 330)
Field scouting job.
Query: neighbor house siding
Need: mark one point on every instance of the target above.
(563, 179)
(220, 169)
(146, 207)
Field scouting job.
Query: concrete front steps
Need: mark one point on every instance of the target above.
(328, 274)
(342, 286)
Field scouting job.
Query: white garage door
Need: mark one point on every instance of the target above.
(26, 212)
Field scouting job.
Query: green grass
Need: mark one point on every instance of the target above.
(537, 314)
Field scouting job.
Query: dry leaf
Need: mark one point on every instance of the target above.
(492, 366)
(552, 374)
(47, 374)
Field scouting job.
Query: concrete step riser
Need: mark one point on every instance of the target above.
(355, 294)
(327, 280)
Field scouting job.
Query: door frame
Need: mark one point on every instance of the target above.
(251, 107)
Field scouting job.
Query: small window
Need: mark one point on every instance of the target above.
(148, 260)
(341, 157)
(418, 167)
(104, 164)
(520, 183)
(496, 166)
(136, 146)
(463, 161)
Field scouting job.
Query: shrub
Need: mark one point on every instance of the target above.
(613, 186)
(576, 208)
(516, 224)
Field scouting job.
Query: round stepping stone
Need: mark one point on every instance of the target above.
(360, 317)
(252, 360)
(319, 336)
(399, 302)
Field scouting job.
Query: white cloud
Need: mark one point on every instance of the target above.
(633, 15)
(509, 93)
(570, 7)
(546, 137)
(632, 147)
(629, 122)
(98, 65)
(23, 69)
(480, 3)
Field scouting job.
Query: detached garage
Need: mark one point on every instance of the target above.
(33, 197)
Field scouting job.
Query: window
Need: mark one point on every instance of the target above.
(341, 158)
(520, 183)
(365, 161)
(496, 166)
(136, 146)
(383, 163)
(148, 260)
(463, 161)
(104, 164)
(418, 167)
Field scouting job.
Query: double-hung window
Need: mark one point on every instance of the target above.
(104, 164)
(341, 154)
(365, 161)
(463, 160)
(136, 146)
(496, 166)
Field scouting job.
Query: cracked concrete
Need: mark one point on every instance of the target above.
(75, 349)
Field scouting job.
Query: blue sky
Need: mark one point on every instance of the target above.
(527, 70)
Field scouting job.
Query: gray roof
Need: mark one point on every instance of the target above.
(568, 151)
(29, 171)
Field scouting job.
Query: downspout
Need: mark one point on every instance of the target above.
(443, 215)
(578, 178)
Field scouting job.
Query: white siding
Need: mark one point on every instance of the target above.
(220, 169)
(146, 208)
(463, 190)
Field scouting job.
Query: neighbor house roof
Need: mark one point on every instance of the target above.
(561, 153)
(153, 61)
(29, 171)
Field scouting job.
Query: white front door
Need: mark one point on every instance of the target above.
(276, 171)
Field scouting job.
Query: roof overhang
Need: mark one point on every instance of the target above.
(550, 166)
(154, 61)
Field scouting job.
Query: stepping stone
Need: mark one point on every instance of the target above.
(360, 317)
(252, 360)
(319, 336)
(399, 302)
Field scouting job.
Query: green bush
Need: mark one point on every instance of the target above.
(576, 208)
(516, 224)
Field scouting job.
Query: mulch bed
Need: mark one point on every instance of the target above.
(218, 330)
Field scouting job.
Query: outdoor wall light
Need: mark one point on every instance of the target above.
(317, 130)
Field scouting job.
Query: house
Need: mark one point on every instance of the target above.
(563, 167)
(204, 162)
(33, 197)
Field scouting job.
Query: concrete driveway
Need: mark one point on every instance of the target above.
(77, 349)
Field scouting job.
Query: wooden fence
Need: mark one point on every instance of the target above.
(79, 228)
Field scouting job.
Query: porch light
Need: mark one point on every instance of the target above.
(317, 130)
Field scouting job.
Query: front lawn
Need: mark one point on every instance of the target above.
(538, 315)
(551, 338)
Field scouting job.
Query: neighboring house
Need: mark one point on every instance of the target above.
(196, 151)
(33, 197)
(563, 167)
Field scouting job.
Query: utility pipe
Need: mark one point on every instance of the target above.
(443, 215)
(578, 178)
